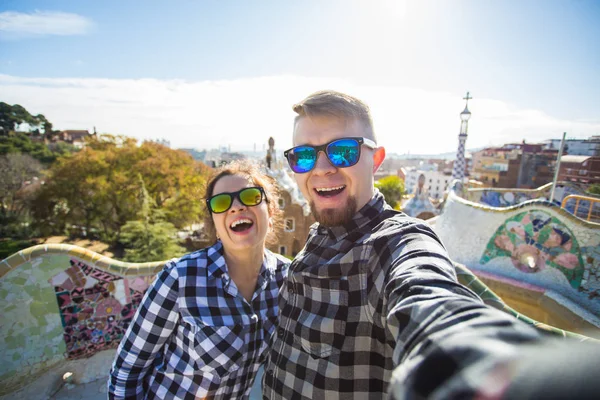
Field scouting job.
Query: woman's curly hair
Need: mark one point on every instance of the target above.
(254, 174)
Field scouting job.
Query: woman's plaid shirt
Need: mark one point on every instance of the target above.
(194, 335)
(364, 298)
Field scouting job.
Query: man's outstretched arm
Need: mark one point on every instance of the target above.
(448, 343)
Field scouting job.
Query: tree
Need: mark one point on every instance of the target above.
(150, 238)
(22, 143)
(594, 189)
(12, 116)
(17, 184)
(392, 189)
(98, 187)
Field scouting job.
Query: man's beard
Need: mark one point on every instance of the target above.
(330, 217)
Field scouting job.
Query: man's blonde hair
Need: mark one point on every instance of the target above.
(337, 104)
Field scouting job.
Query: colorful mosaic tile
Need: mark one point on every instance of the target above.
(96, 307)
(505, 199)
(535, 240)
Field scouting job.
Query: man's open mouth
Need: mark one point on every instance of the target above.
(330, 191)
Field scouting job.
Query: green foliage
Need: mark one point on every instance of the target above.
(392, 188)
(150, 238)
(594, 189)
(98, 188)
(18, 186)
(15, 115)
(145, 241)
(21, 143)
(9, 247)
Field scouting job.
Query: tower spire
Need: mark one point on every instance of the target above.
(458, 172)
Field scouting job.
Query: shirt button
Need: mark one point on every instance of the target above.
(280, 332)
(291, 289)
(270, 372)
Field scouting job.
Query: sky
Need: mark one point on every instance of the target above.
(208, 74)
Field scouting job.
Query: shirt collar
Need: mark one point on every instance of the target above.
(218, 268)
(370, 211)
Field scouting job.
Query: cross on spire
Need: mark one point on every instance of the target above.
(467, 97)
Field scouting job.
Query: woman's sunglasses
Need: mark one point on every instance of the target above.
(341, 153)
(250, 196)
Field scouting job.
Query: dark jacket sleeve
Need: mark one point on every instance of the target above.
(449, 344)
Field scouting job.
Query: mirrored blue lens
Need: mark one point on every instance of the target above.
(302, 159)
(343, 153)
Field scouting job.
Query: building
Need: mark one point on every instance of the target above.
(215, 158)
(460, 163)
(74, 137)
(297, 218)
(579, 147)
(514, 165)
(436, 182)
(579, 169)
(163, 142)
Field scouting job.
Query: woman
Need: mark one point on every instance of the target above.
(202, 328)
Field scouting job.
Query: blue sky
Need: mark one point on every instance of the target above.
(531, 66)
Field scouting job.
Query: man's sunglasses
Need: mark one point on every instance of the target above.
(341, 153)
(250, 196)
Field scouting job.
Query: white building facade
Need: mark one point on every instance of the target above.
(577, 147)
(436, 182)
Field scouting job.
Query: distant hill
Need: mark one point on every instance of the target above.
(443, 156)
(201, 154)
(196, 154)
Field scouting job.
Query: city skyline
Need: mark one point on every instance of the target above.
(206, 75)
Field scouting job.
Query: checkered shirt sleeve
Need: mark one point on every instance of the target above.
(194, 335)
(366, 297)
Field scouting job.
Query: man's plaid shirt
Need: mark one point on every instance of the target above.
(363, 298)
(194, 335)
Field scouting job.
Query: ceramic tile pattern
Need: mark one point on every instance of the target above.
(60, 302)
(535, 242)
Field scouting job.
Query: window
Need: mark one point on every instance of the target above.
(281, 203)
(282, 250)
(289, 225)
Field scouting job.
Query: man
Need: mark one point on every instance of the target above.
(373, 289)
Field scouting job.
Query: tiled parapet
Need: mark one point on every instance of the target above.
(535, 242)
(499, 197)
(60, 302)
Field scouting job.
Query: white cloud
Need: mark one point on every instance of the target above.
(244, 113)
(15, 25)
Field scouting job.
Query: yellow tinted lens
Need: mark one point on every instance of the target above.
(220, 203)
(251, 196)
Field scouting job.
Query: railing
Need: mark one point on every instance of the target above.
(587, 208)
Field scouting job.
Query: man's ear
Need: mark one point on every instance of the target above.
(378, 158)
